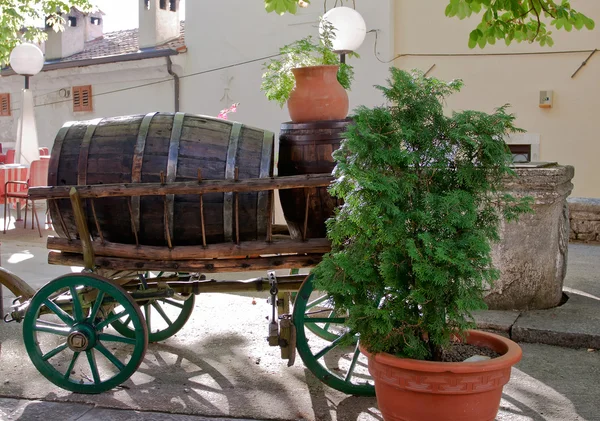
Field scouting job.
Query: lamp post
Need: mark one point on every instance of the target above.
(350, 30)
(27, 60)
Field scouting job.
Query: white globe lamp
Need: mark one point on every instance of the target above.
(27, 59)
(349, 29)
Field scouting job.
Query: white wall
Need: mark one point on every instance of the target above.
(110, 90)
(227, 33)
(234, 31)
(568, 132)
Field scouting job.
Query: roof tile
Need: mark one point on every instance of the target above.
(121, 42)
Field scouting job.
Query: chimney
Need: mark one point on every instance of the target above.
(159, 22)
(94, 25)
(70, 41)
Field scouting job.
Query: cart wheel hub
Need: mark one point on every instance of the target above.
(81, 339)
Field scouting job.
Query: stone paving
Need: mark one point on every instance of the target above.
(220, 366)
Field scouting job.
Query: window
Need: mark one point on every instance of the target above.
(163, 4)
(173, 5)
(520, 153)
(95, 21)
(82, 98)
(4, 105)
(72, 21)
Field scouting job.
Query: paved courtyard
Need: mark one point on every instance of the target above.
(219, 364)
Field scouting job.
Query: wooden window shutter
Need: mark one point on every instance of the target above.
(82, 98)
(5, 105)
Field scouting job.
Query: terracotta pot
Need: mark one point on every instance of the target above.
(317, 95)
(414, 390)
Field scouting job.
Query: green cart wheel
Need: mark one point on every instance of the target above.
(164, 316)
(321, 341)
(322, 330)
(64, 334)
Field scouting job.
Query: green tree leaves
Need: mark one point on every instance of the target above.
(284, 6)
(507, 20)
(16, 17)
(518, 21)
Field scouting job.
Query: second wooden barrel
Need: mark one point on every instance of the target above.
(306, 148)
(138, 149)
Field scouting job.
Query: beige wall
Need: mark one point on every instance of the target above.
(568, 132)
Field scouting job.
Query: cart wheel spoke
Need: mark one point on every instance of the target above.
(84, 334)
(108, 337)
(60, 331)
(55, 351)
(93, 366)
(164, 316)
(127, 321)
(41, 322)
(77, 310)
(353, 362)
(326, 320)
(148, 316)
(71, 365)
(97, 305)
(328, 324)
(174, 303)
(323, 343)
(110, 356)
(329, 347)
(62, 315)
(110, 319)
(316, 302)
(162, 313)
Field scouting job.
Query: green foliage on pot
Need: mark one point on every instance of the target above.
(423, 200)
(278, 79)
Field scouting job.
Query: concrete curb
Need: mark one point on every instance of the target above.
(575, 324)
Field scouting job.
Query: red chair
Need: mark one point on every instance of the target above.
(10, 156)
(38, 177)
(44, 151)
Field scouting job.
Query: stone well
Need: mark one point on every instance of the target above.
(532, 255)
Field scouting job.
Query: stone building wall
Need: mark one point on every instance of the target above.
(584, 217)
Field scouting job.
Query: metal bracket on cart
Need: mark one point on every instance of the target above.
(281, 329)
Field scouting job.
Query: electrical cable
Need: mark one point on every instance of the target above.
(376, 31)
(469, 54)
(166, 80)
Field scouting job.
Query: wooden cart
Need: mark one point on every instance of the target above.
(88, 332)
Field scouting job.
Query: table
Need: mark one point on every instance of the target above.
(13, 172)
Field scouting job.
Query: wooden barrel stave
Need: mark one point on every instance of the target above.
(116, 146)
(306, 148)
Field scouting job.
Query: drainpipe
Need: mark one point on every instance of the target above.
(175, 82)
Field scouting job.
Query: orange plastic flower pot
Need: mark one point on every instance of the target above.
(414, 390)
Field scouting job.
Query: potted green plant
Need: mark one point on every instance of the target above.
(411, 257)
(309, 77)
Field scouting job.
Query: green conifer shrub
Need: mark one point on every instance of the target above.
(423, 200)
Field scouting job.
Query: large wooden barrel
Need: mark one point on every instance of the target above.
(137, 149)
(306, 148)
